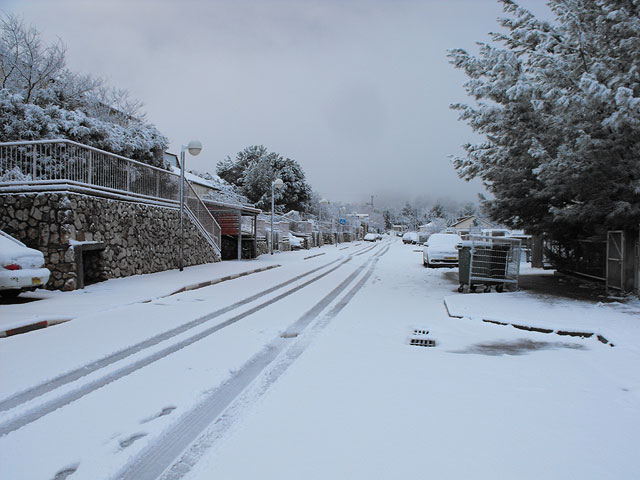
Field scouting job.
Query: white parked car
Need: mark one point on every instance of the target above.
(21, 267)
(295, 242)
(410, 237)
(441, 250)
(370, 237)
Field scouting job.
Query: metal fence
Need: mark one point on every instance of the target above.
(302, 228)
(584, 257)
(55, 161)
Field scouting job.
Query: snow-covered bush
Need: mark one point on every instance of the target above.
(41, 99)
(14, 175)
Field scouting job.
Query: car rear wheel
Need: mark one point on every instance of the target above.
(9, 293)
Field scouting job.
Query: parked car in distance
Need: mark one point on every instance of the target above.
(295, 242)
(410, 237)
(370, 237)
(495, 232)
(441, 250)
(21, 267)
(423, 237)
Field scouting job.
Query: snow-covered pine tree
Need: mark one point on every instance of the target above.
(232, 170)
(559, 105)
(253, 170)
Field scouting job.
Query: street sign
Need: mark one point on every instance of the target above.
(343, 221)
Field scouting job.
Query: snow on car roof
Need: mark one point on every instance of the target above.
(444, 239)
(12, 250)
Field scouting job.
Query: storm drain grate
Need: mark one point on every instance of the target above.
(418, 331)
(422, 342)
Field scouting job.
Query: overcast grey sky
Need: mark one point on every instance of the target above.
(357, 92)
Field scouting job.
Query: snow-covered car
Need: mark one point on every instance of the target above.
(21, 267)
(295, 242)
(423, 237)
(410, 237)
(378, 236)
(441, 250)
(370, 237)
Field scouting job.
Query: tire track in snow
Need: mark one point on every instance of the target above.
(40, 411)
(73, 375)
(155, 459)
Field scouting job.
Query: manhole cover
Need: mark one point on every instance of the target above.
(422, 342)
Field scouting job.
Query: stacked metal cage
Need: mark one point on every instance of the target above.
(490, 262)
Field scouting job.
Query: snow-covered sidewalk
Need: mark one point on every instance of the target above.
(52, 307)
(614, 323)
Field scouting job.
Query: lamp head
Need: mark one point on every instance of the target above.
(278, 183)
(324, 201)
(194, 147)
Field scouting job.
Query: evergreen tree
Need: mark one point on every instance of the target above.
(388, 220)
(233, 170)
(559, 105)
(437, 211)
(466, 210)
(253, 170)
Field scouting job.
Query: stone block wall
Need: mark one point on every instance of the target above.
(137, 238)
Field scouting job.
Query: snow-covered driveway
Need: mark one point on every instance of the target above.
(306, 371)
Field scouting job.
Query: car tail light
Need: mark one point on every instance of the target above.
(13, 266)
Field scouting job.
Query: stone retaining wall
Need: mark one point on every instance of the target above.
(137, 238)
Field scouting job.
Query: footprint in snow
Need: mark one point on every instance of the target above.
(165, 411)
(129, 441)
(64, 473)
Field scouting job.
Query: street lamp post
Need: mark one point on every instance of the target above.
(277, 183)
(194, 147)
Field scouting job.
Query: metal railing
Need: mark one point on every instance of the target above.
(56, 161)
(204, 220)
(584, 257)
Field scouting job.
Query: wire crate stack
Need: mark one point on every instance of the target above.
(490, 262)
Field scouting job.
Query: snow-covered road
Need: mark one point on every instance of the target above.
(305, 371)
(126, 364)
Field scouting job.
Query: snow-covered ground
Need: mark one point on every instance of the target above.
(322, 382)
(487, 402)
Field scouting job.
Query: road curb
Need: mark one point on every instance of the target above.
(528, 328)
(32, 326)
(208, 283)
(314, 256)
